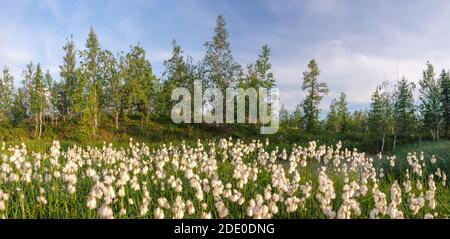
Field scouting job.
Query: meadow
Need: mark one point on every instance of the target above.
(98, 134)
(222, 178)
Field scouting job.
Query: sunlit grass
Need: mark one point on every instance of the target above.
(217, 179)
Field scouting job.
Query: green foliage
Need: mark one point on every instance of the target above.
(284, 115)
(6, 93)
(117, 96)
(69, 89)
(10, 134)
(338, 119)
(139, 82)
(90, 62)
(380, 114)
(444, 82)
(178, 72)
(219, 67)
(315, 91)
(430, 102)
(404, 109)
(358, 122)
(342, 114)
(263, 69)
(113, 84)
(37, 91)
(38, 101)
(332, 117)
(18, 108)
(84, 131)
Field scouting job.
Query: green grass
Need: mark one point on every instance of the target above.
(63, 205)
(154, 134)
(440, 149)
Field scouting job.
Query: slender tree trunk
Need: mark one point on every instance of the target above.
(117, 119)
(95, 124)
(382, 142)
(446, 130)
(95, 108)
(36, 124)
(40, 124)
(437, 129)
(395, 141)
(67, 116)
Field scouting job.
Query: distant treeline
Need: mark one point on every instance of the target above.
(394, 113)
(97, 85)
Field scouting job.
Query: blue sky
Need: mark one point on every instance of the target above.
(357, 43)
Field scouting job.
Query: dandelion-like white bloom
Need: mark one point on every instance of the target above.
(433, 159)
(105, 212)
(430, 194)
(159, 213)
(222, 210)
(396, 198)
(187, 181)
(326, 194)
(3, 198)
(380, 202)
(178, 208)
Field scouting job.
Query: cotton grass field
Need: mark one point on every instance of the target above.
(219, 179)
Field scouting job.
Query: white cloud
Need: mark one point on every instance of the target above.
(354, 56)
(357, 74)
(321, 6)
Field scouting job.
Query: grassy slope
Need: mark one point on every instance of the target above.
(156, 131)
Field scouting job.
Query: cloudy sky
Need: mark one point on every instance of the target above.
(357, 44)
